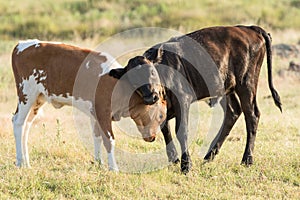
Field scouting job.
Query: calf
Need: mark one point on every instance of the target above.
(61, 74)
(209, 63)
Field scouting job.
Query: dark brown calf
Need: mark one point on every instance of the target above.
(215, 62)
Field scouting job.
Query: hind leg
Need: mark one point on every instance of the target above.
(22, 120)
(252, 115)
(232, 113)
(18, 120)
(31, 117)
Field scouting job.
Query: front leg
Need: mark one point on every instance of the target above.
(109, 143)
(170, 147)
(103, 133)
(182, 136)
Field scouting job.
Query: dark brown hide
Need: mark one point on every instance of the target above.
(237, 53)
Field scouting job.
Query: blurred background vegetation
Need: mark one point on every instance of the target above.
(83, 19)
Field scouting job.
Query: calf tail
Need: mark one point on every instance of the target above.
(268, 41)
(275, 94)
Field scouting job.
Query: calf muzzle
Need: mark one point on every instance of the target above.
(150, 139)
(149, 96)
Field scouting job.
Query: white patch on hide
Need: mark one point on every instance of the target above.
(27, 43)
(110, 64)
(59, 100)
(31, 88)
(24, 44)
(87, 65)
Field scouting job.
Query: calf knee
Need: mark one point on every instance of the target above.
(18, 120)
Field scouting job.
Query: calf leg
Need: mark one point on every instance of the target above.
(170, 147)
(109, 143)
(18, 128)
(106, 133)
(97, 141)
(31, 117)
(252, 116)
(232, 113)
(22, 120)
(103, 116)
(182, 136)
(247, 97)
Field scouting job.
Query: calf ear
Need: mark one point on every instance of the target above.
(117, 73)
(154, 54)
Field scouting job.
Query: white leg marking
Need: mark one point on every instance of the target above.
(112, 164)
(31, 117)
(97, 142)
(18, 129)
(25, 144)
(19, 120)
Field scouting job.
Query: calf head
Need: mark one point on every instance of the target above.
(148, 118)
(143, 76)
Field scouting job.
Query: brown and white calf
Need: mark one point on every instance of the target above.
(62, 74)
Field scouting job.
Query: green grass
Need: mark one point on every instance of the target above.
(84, 19)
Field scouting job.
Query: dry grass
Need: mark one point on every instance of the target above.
(62, 168)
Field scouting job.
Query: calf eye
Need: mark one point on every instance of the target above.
(161, 116)
(152, 73)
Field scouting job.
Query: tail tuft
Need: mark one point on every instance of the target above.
(276, 98)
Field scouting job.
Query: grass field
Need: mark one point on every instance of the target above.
(62, 165)
(69, 19)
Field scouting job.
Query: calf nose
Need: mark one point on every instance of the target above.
(155, 97)
(151, 99)
(150, 139)
(149, 95)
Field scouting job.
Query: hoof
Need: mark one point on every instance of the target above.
(173, 156)
(22, 165)
(176, 161)
(185, 167)
(247, 161)
(97, 162)
(114, 169)
(210, 155)
(186, 164)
